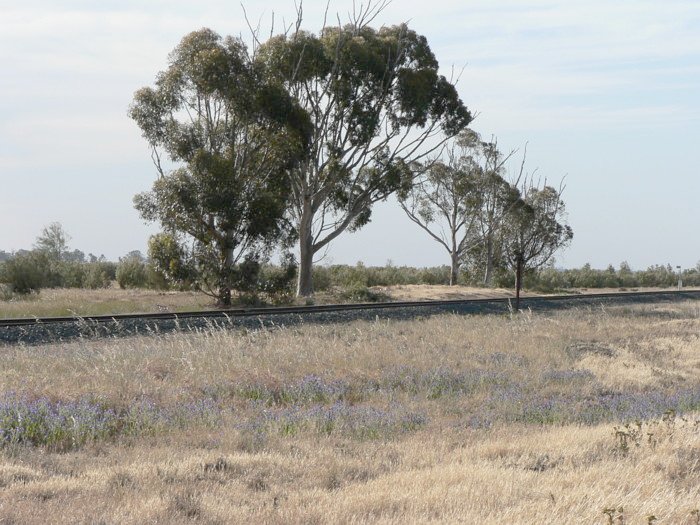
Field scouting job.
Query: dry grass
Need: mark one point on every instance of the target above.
(421, 292)
(76, 301)
(512, 466)
(511, 475)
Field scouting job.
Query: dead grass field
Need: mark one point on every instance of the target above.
(585, 416)
(114, 300)
(420, 292)
(428, 292)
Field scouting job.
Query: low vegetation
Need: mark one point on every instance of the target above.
(28, 273)
(589, 416)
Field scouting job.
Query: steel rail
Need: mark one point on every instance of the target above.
(301, 310)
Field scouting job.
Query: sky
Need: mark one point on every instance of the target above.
(606, 95)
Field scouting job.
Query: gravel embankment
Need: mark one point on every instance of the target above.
(65, 331)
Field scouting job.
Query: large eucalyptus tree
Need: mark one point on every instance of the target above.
(231, 138)
(377, 103)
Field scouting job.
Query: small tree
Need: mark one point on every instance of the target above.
(460, 202)
(497, 197)
(535, 230)
(53, 241)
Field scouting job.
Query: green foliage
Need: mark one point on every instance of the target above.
(657, 276)
(132, 272)
(234, 136)
(277, 282)
(360, 276)
(362, 294)
(98, 275)
(373, 96)
(27, 272)
(169, 262)
(72, 274)
(53, 241)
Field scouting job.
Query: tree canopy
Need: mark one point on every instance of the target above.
(53, 241)
(376, 103)
(536, 228)
(233, 137)
(460, 198)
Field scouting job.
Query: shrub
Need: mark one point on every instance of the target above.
(132, 272)
(98, 275)
(27, 272)
(155, 280)
(169, 262)
(322, 278)
(5, 292)
(345, 276)
(278, 281)
(72, 274)
(363, 294)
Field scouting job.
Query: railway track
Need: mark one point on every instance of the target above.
(43, 329)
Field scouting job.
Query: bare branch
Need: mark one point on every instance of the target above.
(363, 16)
(300, 15)
(254, 32)
(155, 157)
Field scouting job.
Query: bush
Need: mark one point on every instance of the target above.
(345, 276)
(72, 274)
(5, 292)
(169, 263)
(155, 280)
(362, 294)
(132, 272)
(99, 275)
(322, 278)
(278, 281)
(27, 272)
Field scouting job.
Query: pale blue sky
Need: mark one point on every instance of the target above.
(604, 93)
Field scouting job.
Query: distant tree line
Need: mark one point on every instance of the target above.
(665, 276)
(51, 264)
(547, 279)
